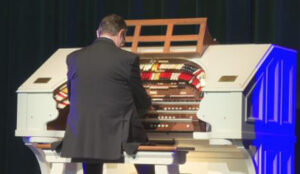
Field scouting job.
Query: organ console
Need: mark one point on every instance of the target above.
(228, 102)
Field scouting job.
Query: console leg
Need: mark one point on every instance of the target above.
(249, 161)
(57, 168)
(45, 167)
(166, 169)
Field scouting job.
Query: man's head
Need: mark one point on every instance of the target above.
(113, 27)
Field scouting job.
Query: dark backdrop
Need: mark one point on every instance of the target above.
(31, 30)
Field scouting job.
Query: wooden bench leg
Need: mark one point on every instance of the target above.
(166, 169)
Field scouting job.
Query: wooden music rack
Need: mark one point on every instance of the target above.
(202, 38)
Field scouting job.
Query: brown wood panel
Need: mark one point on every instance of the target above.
(168, 38)
(157, 148)
(201, 38)
(43, 146)
(163, 38)
(137, 32)
(149, 22)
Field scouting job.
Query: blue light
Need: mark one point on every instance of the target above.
(273, 112)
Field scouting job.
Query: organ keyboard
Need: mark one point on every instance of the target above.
(175, 86)
(228, 103)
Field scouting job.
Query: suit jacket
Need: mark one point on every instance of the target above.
(106, 97)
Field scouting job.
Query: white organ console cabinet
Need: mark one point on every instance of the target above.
(233, 104)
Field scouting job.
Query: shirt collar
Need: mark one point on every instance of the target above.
(104, 39)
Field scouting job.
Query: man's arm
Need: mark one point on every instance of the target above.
(141, 98)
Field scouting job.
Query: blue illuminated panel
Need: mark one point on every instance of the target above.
(270, 105)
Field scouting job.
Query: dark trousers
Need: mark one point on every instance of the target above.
(92, 168)
(96, 168)
(144, 169)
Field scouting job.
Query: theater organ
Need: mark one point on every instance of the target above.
(228, 102)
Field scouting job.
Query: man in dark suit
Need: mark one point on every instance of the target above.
(106, 99)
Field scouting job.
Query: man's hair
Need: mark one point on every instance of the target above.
(111, 24)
